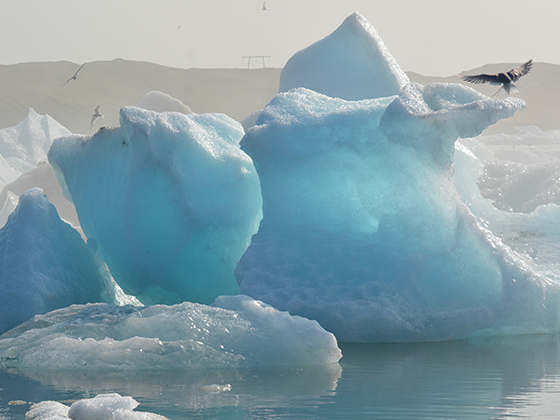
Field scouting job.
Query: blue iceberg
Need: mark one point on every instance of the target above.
(46, 265)
(170, 199)
(363, 228)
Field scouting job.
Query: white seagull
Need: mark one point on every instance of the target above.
(96, 115)
(504, 79)
(75, 74)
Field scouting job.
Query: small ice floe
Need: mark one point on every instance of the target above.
(215, 388)
(103, 406)
(17, 402)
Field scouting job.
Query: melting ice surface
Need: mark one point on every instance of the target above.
(236, 331)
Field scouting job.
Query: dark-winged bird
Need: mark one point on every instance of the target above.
(504, 79)
(75, 74)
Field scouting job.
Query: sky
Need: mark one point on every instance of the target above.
(430, 37)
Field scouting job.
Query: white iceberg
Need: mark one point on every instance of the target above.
(101, 407)
(162, 102)
(351, 63)
(25, 145)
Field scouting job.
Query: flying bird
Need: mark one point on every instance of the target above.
(96, 115)
(504, 79)
(75, 74)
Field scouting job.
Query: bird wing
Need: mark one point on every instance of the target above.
(522, 70)
(483, 78)
(75, 74)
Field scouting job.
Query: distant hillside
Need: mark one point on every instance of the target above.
(114, 84)
(235, 92)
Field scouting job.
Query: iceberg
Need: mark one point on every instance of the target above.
(351, 63)
(162, 102)
(43, 177)
(236, 331)
(25, 145)
(363, 228)
(170, 199)
(45, 264)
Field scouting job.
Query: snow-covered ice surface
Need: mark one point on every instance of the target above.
(170, 199)
(236, 331)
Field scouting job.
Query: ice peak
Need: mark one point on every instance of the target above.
(351, 63)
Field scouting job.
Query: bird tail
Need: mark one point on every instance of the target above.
(506, 89)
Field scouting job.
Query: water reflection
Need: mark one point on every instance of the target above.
(500, 378)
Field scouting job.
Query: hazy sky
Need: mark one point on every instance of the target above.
(431, 37)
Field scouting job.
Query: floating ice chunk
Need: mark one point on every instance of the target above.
(351, 63)
(171, 200)
(102, 337)
(47, 410)
(363, 229)
(215, 388)
(45, 264)
(101, 407)
(162, 102)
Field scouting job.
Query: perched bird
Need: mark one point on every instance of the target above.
(96, 115)
(264, 5)
(75, 74)
(504, 79)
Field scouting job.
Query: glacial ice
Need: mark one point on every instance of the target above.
(170, 199)
(101, 407)
(363, 226)
(351, 63)
(43, 177)
(236, 331)
(363, 229)
(23, 146)
(45, 264)
(162, 102)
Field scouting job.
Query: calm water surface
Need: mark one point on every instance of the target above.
(507, 378)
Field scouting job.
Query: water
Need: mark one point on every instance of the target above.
(512, 377)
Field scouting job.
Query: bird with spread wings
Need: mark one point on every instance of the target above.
(504, 79)
(75, 74)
